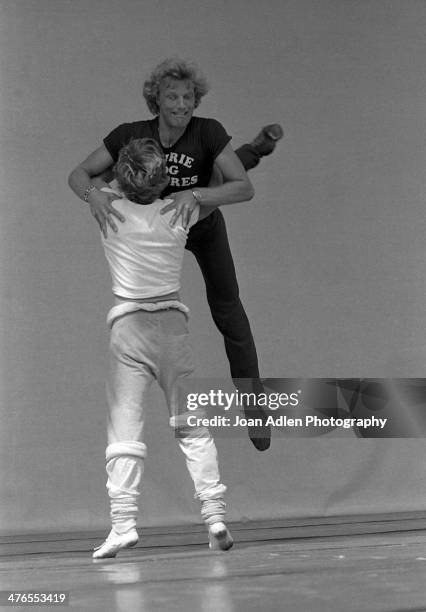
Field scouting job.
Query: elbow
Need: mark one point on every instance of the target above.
(249, 191)
(71, 178)
(74, 178)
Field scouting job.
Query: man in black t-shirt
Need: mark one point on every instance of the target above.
(189, 160)
(193, 146)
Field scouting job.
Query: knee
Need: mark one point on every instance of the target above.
(189, 419)
(231, 318)
(191, 431)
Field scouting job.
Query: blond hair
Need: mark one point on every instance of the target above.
(141, 170)
(174, 68)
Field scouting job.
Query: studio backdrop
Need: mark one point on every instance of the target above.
(330, 253)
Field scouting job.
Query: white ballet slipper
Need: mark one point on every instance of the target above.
(114, 543)
(220, 537)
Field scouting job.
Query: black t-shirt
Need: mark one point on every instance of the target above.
(189, 161)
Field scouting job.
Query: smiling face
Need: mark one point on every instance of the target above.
(176, 101)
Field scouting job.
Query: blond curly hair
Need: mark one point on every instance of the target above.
(141, 170)
(174, 68)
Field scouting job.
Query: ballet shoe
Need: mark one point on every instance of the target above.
(220, 537)
(114, 543)
(265, 142)
(260, 435)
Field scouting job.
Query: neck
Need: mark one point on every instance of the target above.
(169, 135)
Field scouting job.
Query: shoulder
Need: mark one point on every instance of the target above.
(212, 133)
(140, 125)
(206, 123)
(210, 128)
(125, 132)
(134, 127)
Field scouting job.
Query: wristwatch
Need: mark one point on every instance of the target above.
(197, 196)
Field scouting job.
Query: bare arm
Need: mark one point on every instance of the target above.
(91, 172)
(216, 179)
(236, 187)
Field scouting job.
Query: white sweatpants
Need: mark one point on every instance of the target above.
(147, 345)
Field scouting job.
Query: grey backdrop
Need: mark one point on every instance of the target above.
(330, 253)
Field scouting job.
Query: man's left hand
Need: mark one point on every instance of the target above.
(184, 205)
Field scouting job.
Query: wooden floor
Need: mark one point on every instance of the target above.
(370, 572)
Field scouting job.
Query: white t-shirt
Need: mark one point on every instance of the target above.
(145, 256)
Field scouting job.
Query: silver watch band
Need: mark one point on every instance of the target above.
(197, 195)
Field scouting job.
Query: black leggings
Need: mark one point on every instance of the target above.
(208, 241)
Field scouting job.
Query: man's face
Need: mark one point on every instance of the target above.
(176, 101)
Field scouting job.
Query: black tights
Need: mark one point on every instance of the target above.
(208, 241)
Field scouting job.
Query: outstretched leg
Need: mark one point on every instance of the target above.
(208, 241)
(264, 144)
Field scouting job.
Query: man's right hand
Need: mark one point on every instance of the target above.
(92, 171)
(101, 208)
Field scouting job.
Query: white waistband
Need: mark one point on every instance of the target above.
(126, 307)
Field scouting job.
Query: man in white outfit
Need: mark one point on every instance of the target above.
(149, 340)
